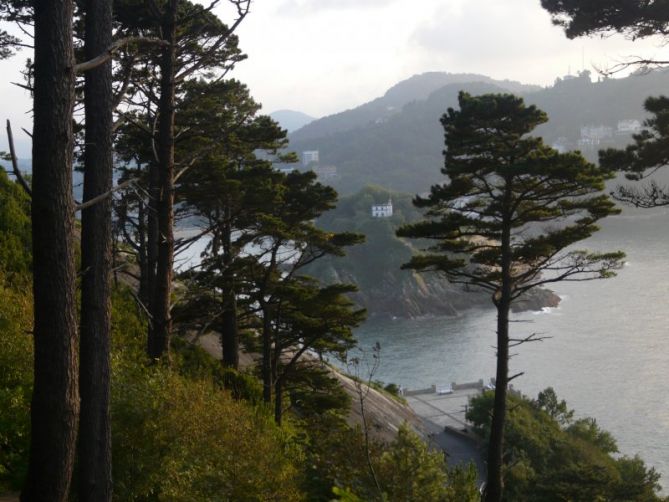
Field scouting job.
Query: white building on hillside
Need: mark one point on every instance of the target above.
(310, 157)
(631, 126)
(592, 135)
(326, 172)
(383, 210)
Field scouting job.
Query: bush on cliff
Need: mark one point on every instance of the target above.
(550, 456)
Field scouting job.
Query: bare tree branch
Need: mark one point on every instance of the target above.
(22, 86)
(103, 196)
(515, 376)
(15, 164)
(648, 196)
(534, 337)
(109, 53)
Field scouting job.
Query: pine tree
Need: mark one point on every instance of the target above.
(309, 317)
(591, 17)
(640, 160)
(55, 401)
(196, 44)
(225, 192)
(94, 474)
(289, 241)
(506, 220)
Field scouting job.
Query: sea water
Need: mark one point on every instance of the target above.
(608, 354)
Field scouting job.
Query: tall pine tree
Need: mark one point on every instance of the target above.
(55, 401)
(506, 220)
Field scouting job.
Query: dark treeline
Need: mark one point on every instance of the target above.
(114, 390)
(401, 148)
(191, 151)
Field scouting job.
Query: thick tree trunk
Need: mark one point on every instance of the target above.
(494, 486)
(55, 401)
(230, 331)
(142, 253)
(95, 476)
(229, 338)
(267, 355)
(162, 318)
(502, 300)
(278, 401)
(152, 245)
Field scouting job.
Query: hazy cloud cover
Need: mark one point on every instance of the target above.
(325, 56)
(514, 39)
(302, 7)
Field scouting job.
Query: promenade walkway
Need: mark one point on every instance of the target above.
(443, 415)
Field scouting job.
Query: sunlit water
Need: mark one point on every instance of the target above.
(609, 355)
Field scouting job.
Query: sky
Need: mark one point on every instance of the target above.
(324, 56)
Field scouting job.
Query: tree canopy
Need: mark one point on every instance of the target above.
(501, 180)
(633, 18)
(641, 159)
(553, 456)
(506, 222)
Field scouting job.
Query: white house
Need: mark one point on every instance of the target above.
(383, 210)
(593, 135)
(326, 172)
(631, 126)
(309, 157)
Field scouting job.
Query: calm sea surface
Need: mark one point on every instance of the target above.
(609, 355)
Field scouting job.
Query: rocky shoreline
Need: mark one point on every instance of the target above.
(419, 295)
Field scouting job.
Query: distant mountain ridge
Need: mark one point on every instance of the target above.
(416, 88)
(291, 120)
(399, 146)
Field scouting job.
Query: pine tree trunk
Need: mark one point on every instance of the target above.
(278, 401)
(495, 484)
(162, 318)
(267, 356)
(229, 338)
(229, 334)
(502, 300)
(142, 253)
(151, 247)
(55, 400)
(95, 476)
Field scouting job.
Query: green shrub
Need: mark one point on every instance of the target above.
(551, 457)
(16, 379)
(178, 439)
(15, 231)
(406, 469)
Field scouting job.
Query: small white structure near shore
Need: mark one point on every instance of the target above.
(383, 210)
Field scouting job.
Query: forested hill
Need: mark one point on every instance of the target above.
(397, 141)
(416, 88)
(375, 266)
(291, 120)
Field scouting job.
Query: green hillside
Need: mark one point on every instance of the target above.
(375, 266)
(402, 149)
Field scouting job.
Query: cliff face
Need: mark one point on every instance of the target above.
(407, 295)
(375, 266)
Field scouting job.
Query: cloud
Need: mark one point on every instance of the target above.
(301, 7)
(513, 39)
(487, 31)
